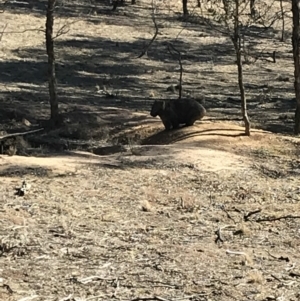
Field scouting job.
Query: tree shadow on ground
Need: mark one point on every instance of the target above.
(94, 73)
(21, 171)
(170, 137)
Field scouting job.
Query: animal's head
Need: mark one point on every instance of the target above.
(158, 107)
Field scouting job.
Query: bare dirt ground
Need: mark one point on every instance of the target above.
(118, 209)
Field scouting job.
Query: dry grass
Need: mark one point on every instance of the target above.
(127, 232)
(142, 221)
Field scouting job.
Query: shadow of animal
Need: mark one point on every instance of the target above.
(175, 112)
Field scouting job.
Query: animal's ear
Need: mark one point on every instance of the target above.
(164, 105)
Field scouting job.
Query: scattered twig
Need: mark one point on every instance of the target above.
(70, 297)
(29, 298)
(96, 297)
(25, 30)
(219, 234)
(162, 284)
(247, 258)
(7, 287)
(279, 258)
(2, 32)
(6, 247)
(235, 252)
(250, 213)
(294, 274)
(272, 219)
(181, 69)
(150, 298)
(94, 278)
(272, 275)
(156, 31)
(227, 213)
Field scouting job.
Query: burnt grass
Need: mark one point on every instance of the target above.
(152, 229)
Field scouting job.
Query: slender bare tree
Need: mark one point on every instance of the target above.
(236, 39)
(51, 62)
(295, 41)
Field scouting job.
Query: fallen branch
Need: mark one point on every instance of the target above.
(272, 219)
(19, 134)
(155, 34)
(247, 215)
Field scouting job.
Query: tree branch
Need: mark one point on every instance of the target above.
(155, 34)
(19, 134)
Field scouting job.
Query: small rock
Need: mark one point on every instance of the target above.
(26, 122)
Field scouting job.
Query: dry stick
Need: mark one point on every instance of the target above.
(26, 30)
(155, 34)
(235, 252)
(219, 234)
(29, 298)
(276, 278)
(247, 215)
(271, 219)
(227, 213)
(94, 278)
(150, 298)
(246, 256)
(279, 258)
(65, 28)
(293, 274)
(1, 34)
(19, 134)
(181, 69)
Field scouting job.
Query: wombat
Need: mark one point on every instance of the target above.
(175, 112)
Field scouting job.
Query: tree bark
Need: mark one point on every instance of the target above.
(51, 62)
(282, 20)
(252, 8)
(184, 8)
(237, 46)
(295, 42)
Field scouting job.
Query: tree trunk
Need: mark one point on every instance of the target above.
(184, 7)
(295, 41)
(51, 62)
(282, 20)
(237, 46)
(252, 8)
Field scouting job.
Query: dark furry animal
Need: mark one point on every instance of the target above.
(175, 112)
